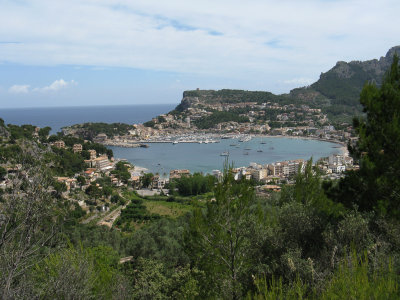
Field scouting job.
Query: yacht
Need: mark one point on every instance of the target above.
(225, 153)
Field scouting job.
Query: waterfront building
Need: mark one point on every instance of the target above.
(59, 144)
(102, 163)
(77, 148)
(217, 174)
(259, 174)
(93, 154)
(336, 159)
(286, 168)
(178, 173)
(337, 168)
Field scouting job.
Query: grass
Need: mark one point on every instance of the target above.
(164, 208)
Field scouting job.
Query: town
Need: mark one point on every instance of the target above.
(92, 186)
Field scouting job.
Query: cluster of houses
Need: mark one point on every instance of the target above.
(96, 165)
(303, 120)
(284, 171)
(332, 166)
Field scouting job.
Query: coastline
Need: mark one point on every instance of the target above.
(196, 137)
(159, 166)
(343, 148)
(140, 169)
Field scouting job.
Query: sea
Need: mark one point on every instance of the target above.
(58, 117)
(163, 157)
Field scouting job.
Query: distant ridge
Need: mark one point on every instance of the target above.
(336, 92)
(343, 83)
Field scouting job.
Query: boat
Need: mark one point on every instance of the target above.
(233, 145)
(175, 142)
(263, 143)
(246, 153)
(225, 153)
(247, 149)
(259, 150)
(245, 139)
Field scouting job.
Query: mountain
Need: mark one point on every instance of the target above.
(336, 92)
(341, 85)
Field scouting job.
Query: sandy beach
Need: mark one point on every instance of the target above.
(140, 169)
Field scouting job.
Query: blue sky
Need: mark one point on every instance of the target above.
(68, 53)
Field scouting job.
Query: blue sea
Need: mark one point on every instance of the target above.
(161, 158)
(57, 117)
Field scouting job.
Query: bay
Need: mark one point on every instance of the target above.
(163, 157)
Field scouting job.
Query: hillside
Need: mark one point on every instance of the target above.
(336, 92)
(342, 84)
(324, 109)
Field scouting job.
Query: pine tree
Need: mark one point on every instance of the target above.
(377, 184)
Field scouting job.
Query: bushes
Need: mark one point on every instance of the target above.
(193, 185)
(136, 211)
(219, 117)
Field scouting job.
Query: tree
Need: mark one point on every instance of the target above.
(147, 179)
(219, 237)
(59, 187)
(81, 180)
(308, 190)
(377, 184)
(44, 133)
(3, 172)
(30, 221)
(93, 191)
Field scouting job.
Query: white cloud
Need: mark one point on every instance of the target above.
(275, 40)
(55, 86)
(19, 89)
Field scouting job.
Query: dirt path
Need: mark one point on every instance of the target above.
(109, 219)
(91, 218)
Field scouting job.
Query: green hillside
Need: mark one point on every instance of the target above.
(336, 92)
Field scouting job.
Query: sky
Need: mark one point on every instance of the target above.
(98, 52)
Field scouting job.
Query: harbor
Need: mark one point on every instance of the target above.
(163, 156)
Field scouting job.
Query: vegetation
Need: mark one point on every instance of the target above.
(91, 130)
(233, 96)
(192, 185)
(313, 240)
(219, 117)
(122, 171)
(376, 186)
